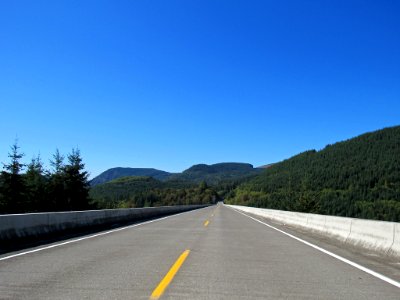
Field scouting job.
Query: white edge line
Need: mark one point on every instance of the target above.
(94, 235)
(349, 262)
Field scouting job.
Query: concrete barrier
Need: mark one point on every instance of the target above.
(338, 227)
(316, 223)
(18, 227)
(376, 236)
(396, 242)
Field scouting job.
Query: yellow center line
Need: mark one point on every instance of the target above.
(159, 290)
(206, 223)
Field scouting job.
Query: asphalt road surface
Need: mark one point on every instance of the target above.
(211, 253)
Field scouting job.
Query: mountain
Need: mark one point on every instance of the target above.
(359, 177)
(110, 190)
(213, 174)
(115, 173)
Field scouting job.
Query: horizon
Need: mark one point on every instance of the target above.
(241, 162)
(91, 177)
(169, 85)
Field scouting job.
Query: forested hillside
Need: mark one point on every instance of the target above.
(211, 174)
(359, 177)
(214, 174)
(118, 172)
(146, 191)
(199, 184)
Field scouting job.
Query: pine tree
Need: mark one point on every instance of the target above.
(76, 182)
(58, 162)
(15, 166)
(36, 183)
(13, 187)
(57, 199)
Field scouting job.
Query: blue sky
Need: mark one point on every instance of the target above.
(168, 84)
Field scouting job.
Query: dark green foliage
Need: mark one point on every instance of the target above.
(68, 185)
(36, 185)
(214, 174)
(65, 188)
(111, 194)
(13, 188)
(143, 191)
(76, 184)
(56, 184)
(355, 178)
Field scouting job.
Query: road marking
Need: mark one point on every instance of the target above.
(206, 223)
(94, 235)
(345, 260)
(214, 211)
(159, 290)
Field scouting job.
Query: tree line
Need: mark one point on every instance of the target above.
(144, 191)
(63, 188)
(26, 188)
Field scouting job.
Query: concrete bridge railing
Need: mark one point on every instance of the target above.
(377, 236)
(22, 227)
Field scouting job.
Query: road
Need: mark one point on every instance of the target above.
(211, 253)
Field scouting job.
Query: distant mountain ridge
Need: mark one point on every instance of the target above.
(211, 174)
(119, 172)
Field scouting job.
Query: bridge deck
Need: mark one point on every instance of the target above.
(231, 257)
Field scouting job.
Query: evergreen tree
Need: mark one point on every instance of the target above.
(58, 162)
(13, 187)
(76, 182)
(63, 188)
(36, 183)
(57, 199)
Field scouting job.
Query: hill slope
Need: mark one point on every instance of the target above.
(359, 177)
(115, 173)
(213, 174)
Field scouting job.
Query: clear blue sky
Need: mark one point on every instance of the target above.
(168, 84)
